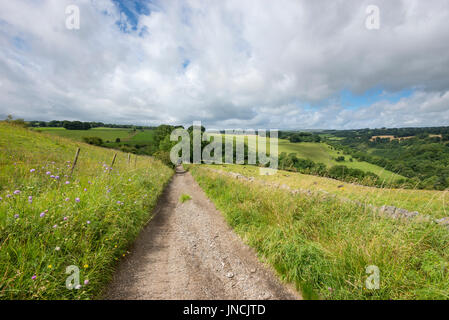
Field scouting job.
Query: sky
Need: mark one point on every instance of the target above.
(229, 64)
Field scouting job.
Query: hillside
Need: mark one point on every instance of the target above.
(329, 248)
(432, 203)
(49, 220)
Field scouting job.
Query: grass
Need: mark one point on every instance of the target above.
(184, 197)
(429, 202)
(107, 134)
(49, 224)
(324, 246)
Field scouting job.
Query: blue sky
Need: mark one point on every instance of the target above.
(245, 64)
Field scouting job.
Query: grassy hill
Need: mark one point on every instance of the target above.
(324, 246)
(49, 220)
(429, 202)
(322, 152)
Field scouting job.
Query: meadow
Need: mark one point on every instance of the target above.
(107, 134)
(50, 220)
(324, 246)
(429, 202)
(323, 153)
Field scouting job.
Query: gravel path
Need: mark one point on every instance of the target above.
(188, 251)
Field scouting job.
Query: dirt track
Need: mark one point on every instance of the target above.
(188, 252)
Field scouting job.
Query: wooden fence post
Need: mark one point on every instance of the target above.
(74, 162)
(113, 161)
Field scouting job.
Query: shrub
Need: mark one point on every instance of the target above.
(96, 141)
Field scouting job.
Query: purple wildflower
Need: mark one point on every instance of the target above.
(48, 173)
(8, 196)
(77, 199)
(16, 216)
(86, 282)
(32, 170)
(88, 222)
(1, 198)
(17, 192)
(42, 214)
(55, 226)
(52, 176)
(30, 199)
(57, 177)
(33, 277)
(67, 182)
(65, 218)
(85, 189)
(67, 199)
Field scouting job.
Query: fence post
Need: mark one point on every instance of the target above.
(113, 161)
(75, 161)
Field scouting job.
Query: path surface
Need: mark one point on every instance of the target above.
(188, 251)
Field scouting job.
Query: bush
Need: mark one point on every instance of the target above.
(96, 141)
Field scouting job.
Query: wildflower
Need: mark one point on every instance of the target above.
(88, 222)
(77, 199)
(77, 287)
(86, 282)
(129, 180)
(50, 266)
(89, 182)
(52, 176)
(32, 170)
(65, 218)
(8, 196)
(57, 248)
(17, 192)
(33, 277)
(48, 173)
(118, 202)
(85, 189)
(30, 199)
(55, 226)
(67, 199)
(67, 182)
(16, 216)
(46, 211)
(42, 214)
(57, 177)
(86, 266)
(1, 198)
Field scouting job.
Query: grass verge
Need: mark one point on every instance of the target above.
(324, 246)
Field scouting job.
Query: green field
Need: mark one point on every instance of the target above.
(324, 246)
(432, 203)
(322, 152)
(49, 220)
(107, 134)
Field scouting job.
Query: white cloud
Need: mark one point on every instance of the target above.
(250, 63)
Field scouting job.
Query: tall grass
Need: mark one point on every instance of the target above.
(49, 221)
(323, 245)
(428, 202)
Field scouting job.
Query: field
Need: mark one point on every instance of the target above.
(433, 203)
(107, 134)
(324, 246)
(321, 152)
(50, 221)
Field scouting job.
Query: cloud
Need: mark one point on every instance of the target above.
(279, 64)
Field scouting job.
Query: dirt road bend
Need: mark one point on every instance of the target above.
(188, 251)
